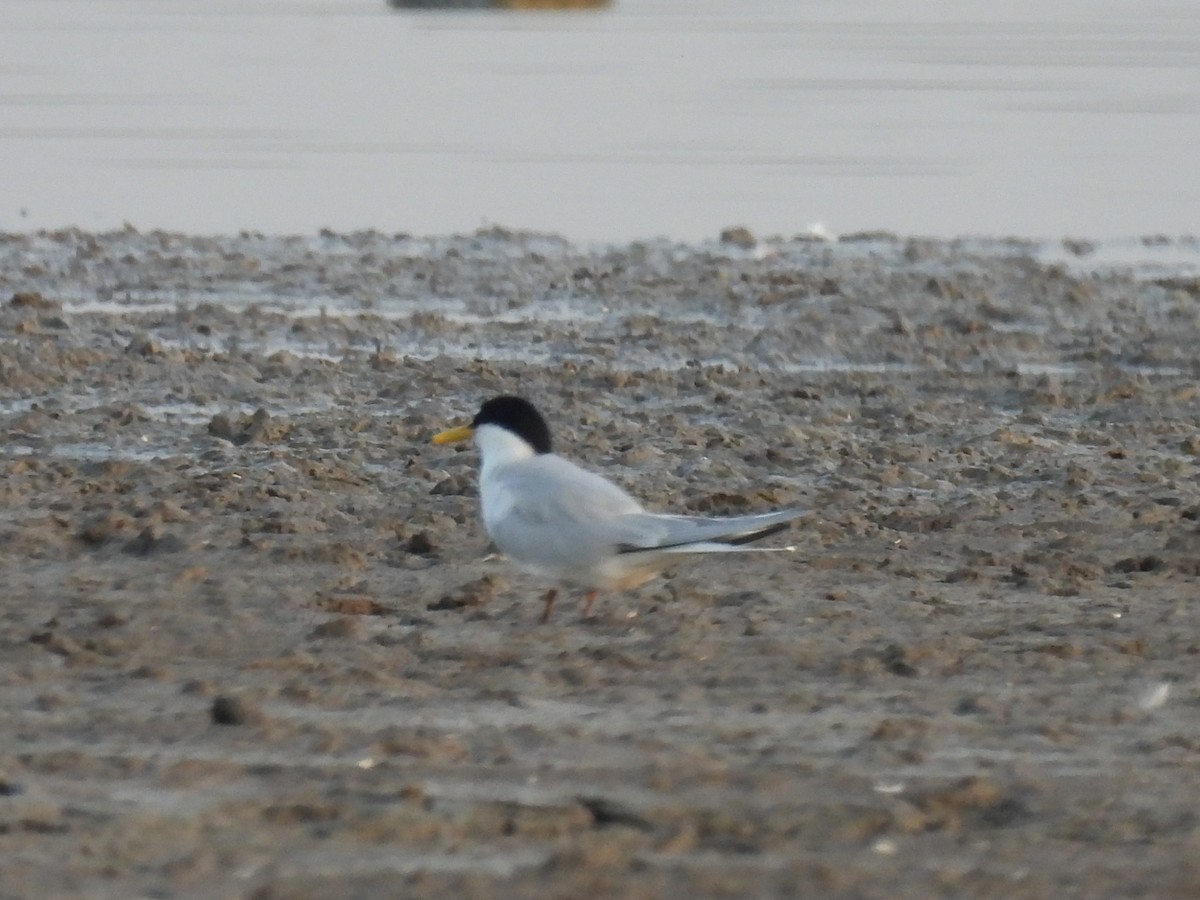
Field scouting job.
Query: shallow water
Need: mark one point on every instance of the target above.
(650, 117)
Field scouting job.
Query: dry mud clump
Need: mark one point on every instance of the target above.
(253, 644)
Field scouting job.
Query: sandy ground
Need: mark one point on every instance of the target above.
(253, 647)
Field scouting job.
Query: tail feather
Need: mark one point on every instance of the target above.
(695, 534)
(758, 535)
(714, 547)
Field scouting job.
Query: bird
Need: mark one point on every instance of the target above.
(574, 527)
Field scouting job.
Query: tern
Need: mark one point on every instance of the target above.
(576, 528)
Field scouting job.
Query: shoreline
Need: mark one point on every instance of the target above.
(265, 654)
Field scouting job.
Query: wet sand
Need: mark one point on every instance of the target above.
(254, 645)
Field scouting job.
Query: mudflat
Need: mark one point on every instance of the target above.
(254, 644)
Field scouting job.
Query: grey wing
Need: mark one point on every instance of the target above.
(647, 531)
(554, 516)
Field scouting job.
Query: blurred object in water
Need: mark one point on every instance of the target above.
(498, 4)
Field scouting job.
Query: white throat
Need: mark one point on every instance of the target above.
(499, 447)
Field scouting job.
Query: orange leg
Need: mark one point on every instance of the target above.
(548, 599)
(588, 601)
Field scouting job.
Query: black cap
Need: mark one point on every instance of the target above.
(517, 415)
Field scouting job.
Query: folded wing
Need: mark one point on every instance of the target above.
(646, 532)
(555, 517)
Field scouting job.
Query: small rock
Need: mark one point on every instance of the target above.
(260, 427)
(151, 672)
(979, 705)
(220, 426)
(353, 605)
(49, 701)
(607, 812)
(451, 486)
(1154, 697)
(103, 528)
(1079, 246)
(60, 644)
(342, 627)
(169, 511)
(1137, 564)
(743, 598)
(148, 541)
(898, 660)
(32, 300)
(144, 345)
(474, 593)
(111, 619)
(420, 544)
(230, 710)
(739, 236)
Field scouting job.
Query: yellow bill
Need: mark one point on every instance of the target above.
(454, 435)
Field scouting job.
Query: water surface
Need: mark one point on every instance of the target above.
(651, 117)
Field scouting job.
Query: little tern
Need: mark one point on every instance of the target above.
(575, 527)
